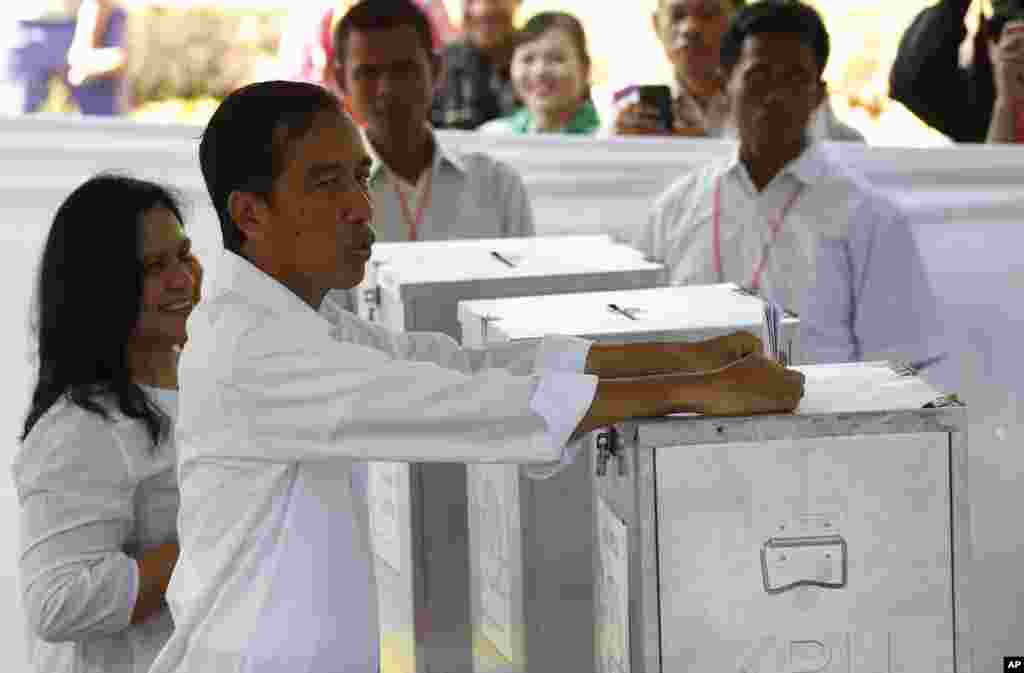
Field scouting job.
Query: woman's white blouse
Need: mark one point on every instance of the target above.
(94, 494)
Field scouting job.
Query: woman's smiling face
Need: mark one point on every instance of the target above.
(549, 74)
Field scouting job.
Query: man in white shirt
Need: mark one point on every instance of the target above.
(421, 190)
(276, 402)
(781, 217)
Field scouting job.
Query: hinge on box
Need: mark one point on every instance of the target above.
(608, 447)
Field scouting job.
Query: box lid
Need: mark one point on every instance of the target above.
(655, 313)
(416, 269)
(840, 400)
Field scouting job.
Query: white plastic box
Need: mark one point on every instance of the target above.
(418, 511)
(531, 541)
(834, 539)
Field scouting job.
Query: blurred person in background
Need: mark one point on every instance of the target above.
(927, 75)
(95, 473)
(306, 51)
(98, 58)
(35, 40)
(476, 83)
(551, 75)
(785, 219)
(690, 31)
(420, 189)
(1007, 52)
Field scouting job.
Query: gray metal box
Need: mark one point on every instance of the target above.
(531, 541)
(833, 539)
(418, 511)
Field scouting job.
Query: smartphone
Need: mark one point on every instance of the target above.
(658, 96)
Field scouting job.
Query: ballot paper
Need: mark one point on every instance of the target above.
(773, 332)
(853, 388)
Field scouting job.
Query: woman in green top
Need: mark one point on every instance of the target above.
(551, 76)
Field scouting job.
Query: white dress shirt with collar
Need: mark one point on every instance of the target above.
(845, 258)
(277, 402)
(471, 196)
(94, 494)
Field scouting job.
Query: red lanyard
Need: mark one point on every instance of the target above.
(776, 227)
(413, 222)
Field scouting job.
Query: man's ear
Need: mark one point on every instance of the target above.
(249, 213)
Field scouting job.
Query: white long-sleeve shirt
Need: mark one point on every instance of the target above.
(277, 402)
(90, 488)
(845, 258)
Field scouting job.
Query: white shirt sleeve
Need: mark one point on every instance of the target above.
(559, 360)
(895, 312)
(76, 495)
(289, 394)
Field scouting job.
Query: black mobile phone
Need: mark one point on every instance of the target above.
(658, 96)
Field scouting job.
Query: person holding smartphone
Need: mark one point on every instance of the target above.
(690, 32)
(783, 217)
(1007, 52)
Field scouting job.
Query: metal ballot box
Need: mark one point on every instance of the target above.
(417, 285)
(834, 539)
(531, 541)
(417, 512)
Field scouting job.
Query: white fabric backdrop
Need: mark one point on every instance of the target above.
(966, 204)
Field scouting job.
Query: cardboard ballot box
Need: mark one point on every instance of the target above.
(834, 539)
(531, 541)
(418, 511)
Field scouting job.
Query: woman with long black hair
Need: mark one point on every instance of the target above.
(95, 473)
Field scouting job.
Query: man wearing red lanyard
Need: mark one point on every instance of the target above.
(421, 190)
(782, 218)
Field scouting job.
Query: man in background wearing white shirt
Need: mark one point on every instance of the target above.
(782, 217)
(421, 191)
(276, 402)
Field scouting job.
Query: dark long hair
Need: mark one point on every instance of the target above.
(89, 297)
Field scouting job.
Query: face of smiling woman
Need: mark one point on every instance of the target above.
(170, 280)
(549, 75)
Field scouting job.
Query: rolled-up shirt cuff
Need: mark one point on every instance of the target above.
(562, 354)
(562, 399)
(134, 589)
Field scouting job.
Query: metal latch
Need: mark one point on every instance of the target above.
(371, 296)
(485, 324)
(608, 447)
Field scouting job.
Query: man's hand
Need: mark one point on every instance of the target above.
(720, 351)
(642, 119)
(639, 119)
(758, 385)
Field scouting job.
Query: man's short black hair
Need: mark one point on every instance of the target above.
(368, 15)
(245, 144)
(788, 17)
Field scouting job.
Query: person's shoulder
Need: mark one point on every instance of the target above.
(71, 440)
(485, 168)
(864, 202)
(691, 185)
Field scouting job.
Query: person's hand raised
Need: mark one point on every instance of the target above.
(1008, 63)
